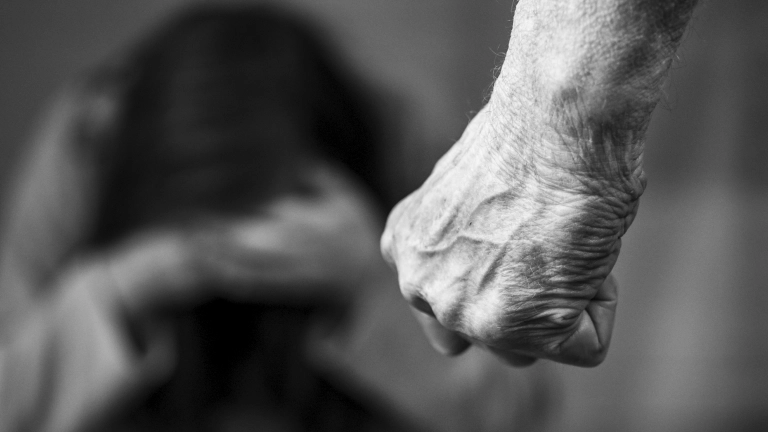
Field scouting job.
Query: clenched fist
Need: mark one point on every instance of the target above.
(510, 242)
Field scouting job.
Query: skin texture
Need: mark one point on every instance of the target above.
(510, 242)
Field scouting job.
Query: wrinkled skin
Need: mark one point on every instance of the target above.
(510, 242)
(508, 261)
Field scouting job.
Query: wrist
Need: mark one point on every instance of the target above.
(568, 143)
(578, 86)
(529, 152)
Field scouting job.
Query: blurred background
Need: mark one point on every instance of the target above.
(690, 348)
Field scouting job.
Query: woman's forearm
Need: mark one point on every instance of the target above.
(72, 359)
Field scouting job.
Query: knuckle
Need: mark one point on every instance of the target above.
(386, 246)
(449, 315)
(411, 293)
(447, 312)
(486, 323)
(396, 214)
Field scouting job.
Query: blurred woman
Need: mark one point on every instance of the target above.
(187, 210)
(191, 216)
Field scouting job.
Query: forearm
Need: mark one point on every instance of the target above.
(73, 359)
(578, 86)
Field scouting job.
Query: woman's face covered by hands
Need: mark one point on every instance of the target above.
(234, 165)
(316, 243)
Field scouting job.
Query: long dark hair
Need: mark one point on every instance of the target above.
(218, 108)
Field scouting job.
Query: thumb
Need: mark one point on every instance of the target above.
(588, 345)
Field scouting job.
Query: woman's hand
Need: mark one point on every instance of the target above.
(315, 244)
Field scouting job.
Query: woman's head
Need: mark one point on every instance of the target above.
(222, 108)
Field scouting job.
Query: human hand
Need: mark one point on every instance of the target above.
(510, 242)
(317, 244)
(507, 260)
(320, 243)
